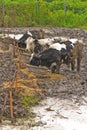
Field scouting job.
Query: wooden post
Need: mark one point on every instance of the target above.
(3, 13)
(37, 17)
(11, 106)
(14, 43)
(16, 80)
(19, 60)
(12, 50)
(65, 7)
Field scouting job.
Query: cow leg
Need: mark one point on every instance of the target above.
(78, 64)
(58, 64)
(73, 65)
(54, 68)
(57, 69)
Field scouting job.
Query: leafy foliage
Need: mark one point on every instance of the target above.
(71, 13)
(29, 100)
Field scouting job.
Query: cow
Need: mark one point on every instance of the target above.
(60, 39)
(68, 53)
(58, 46)
(33, 46)
(51, 58)
(45, 43)
(22, 41)
(12, 36)
(74, 49)
(37, 45)
(76, 54)
(66, 49)
(29, 37)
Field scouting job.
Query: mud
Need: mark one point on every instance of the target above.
(73, 85)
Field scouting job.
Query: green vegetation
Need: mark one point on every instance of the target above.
(71, 13)
(29, 100)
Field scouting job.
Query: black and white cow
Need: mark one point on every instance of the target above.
(33, 46)
(51, 58)
(64, 49)
(22, 41)
(37, 45)
(29, 37)
(60, 53)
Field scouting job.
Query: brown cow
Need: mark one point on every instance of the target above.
(76, 55)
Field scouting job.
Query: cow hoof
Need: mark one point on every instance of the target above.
(53, 67)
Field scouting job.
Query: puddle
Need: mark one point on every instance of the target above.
(56, 114)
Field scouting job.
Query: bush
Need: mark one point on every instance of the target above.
(45, 13)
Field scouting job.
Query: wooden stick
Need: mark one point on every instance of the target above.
(16, 80)
(14, 43)
(11, 105)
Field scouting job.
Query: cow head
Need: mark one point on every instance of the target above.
(34, 60)
(65, 56)
(38, 48)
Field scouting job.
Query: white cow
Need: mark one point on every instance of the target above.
(45, 41)
(16, 36)
(57, 46)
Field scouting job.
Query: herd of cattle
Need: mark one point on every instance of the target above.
(51, 52)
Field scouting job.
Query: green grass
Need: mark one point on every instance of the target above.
(52, 13)
(29, 101)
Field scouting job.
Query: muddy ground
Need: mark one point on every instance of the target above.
(73, 84)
